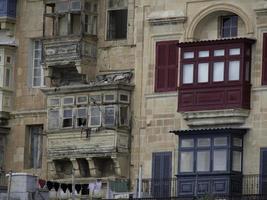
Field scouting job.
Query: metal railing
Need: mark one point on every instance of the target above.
(253, 185)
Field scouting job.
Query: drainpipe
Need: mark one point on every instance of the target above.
(140, 182)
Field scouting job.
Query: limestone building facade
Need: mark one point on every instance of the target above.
(98, 88)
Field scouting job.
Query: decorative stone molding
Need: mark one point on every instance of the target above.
(75, 166)
(166, 17)
(216, 117)
(189, 35)
(94, 172)
(261, 8)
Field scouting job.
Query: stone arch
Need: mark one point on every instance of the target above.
(189, 35)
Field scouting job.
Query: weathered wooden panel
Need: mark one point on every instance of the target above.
(69, 144)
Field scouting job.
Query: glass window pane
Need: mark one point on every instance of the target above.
(203, 142)
(203, 72)
(188, 73)
(67, 114)
(218, 71)
(203, 54)
(219, 52)
(234, 70)
(187, 143)
(220, 141)
(68, 100)
(188, 55)
(186, 162)
(220, 160)
(95, 118)
(203, 161)
(53, 119)
(54, 102)
(235, 51)
(237, 142)
(237, 158)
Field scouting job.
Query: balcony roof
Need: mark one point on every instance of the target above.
(238, 131)
(216, 42)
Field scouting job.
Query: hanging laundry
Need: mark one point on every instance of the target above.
(78, 188)
(49, 185)
(70, 187)
(41, 183)
(64, 187)
(85, 189)
(56, 186)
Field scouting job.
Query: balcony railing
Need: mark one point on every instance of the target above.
(251, 185)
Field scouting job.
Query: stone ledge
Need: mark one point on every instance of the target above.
(216, 117)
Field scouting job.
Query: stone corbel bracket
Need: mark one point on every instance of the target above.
(166, 17)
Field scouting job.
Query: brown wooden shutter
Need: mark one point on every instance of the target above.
(166, 66)
(264, 59)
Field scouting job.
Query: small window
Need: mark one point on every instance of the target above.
(220, 160)
(68, 101)
(53, 119)
(109, 98)
(124, 116)
(67, 118)
(203, 142)
(229, 26)
(94, 116)
(81, 100)
(233, 52)
(53, 102)
(219, 52)
(109, 116)
(81, 117)
(124, 98)
(203, 161)
(62, 6)
(187, 143)
(95, 99)
(203, 54)
(237, 161)
(188, 70)
(75, 5)
(117, 19)
(8, 60)
(220, 141)
(188, 55)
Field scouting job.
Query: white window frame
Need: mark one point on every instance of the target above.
(82, 103)
(128, 115)
(55, 98)
(34, 49)
(92, 100)
(68, 104)
(78, 117)
(63, 118)
(90, 116)
(115, 119)
(126, 94)
(110, 101)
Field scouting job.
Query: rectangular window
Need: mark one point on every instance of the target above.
(218, 71)
(229, 26)
(51, 102)
(68, 101)
(264, 59)
(220, 160)
(81, 117)
(35, 146)
(124, 115)
(67, 118)
(53, 119)
(187, 143)
(237, 161)
(117, 19)
(109, 116)
(8, 77)
(90, 20)
(37, 73)
(203, 72)
(203, 161)
(166, 71)
(94, 116)
(80, 100)
(188, 73)
(234, 70)
(187, 161)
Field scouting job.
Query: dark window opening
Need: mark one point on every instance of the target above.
(83, 167)
(75, 24)
(67, 118)
(63, 168)
(105, 166)
(124, 120)
(117, 24)
(229, 26)
(35, 146)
